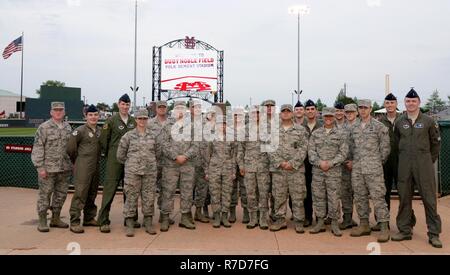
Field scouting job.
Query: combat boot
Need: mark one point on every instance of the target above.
(435, 242)
(299, 227)
(347, 222)
(104, 228)
(186, 221)
(376, 227)
(327, 221)
(164, 222)
(253, 220)
(335, 228)
(76, 228)
(148, 225)
(130, 227)
(263, 220)
(245, 216)
(319, 227)
(57, 222)
(171, 221)
(362, 230)
(278, 225)
(232, 218)
(199, 215)
(384, 234)
(42, 226)
(400, 236)
(225, 220)
(216, 222)
(91, 222)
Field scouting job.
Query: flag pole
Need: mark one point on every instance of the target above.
(21, 77)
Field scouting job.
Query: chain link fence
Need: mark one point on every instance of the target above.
(444, 159)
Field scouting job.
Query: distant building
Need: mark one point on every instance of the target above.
(9, 101)
(443, 115)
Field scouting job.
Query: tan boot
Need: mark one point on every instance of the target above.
(57, 222)
(319, 227)
(199, 215)
(362, 230)
(335, 228)
(225, 221)
(186, 222)
(253, 220)
(164, 222)
(149, 226)
(42, 226)
(232, 217)
(263, 220)
(130, 227)
(384, 234)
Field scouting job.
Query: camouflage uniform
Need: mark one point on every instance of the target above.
(221, 173)
(49, 154)
(138, 152)
(200, 183)
(293, 145)
(172, 171)
(347, 190)
(84, 150)
(371, 149)
(326, 186)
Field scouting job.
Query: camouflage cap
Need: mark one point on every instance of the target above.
(57, 105)
(194, 102)
(268, 102)
(328, 111)
(286, 107)
(351, 107)
(364, 103)
(161, 103)
(141, 113)
(179, 103)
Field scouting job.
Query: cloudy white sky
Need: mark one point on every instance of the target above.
(89, 44)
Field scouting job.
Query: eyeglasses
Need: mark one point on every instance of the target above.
(142, 118)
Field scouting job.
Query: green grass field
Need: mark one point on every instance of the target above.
(8, 132)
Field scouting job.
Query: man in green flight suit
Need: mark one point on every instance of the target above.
(113, 130)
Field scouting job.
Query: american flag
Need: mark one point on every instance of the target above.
(15, 46)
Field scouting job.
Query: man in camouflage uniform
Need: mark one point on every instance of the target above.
(221, 172)
(137, 151)
(340, 114)
(327, 150)
(84, 151)
(53, 165)
(179, 150)
(351, 113)
(288, 172)
(200, 183)
(254, 167)
(239, 189)
(370, 141)
(113, 130)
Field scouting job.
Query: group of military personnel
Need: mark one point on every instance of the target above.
(269, 160)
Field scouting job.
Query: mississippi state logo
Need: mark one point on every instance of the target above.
(197, 86)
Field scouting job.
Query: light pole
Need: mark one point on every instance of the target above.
(299, 10)
(134, 88)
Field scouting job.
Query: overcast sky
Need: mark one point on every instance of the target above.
(90, 44)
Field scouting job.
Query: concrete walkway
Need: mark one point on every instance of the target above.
(18, 235)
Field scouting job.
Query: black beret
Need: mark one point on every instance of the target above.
(390, 97)
(339, 106)
(299, 104)
(125, 98)
(310, 103)
(412, 94)
(91, 109)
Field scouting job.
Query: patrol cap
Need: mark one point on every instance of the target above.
(299, 104)
(57, 105)
(286, 107)
(179, 103)
(390, 97)
(364, 103)
(328, 111)
(161, 103)
(412, 94)
(91, 109)
(268, 102)
(142, 112)
(351, 107)
(193, 102)
(125, 98)
(310, 103)
(339, 106)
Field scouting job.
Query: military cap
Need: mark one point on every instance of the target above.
(193, 102)
(328, 111)
(142, 112)
(57, 105)
(412, 94)
(390, 97)
(286, 107)
(268, 102)
(310, 103)
(179, 103)
(125, 98)
(364, 103)
(299, 104)
(351, 107)
(161, 103)
(339, 106)
(91, 109)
